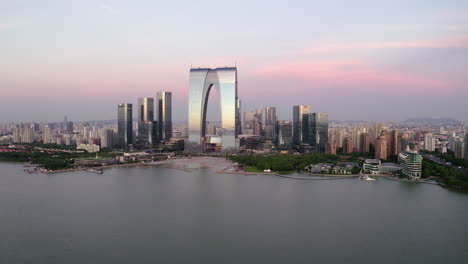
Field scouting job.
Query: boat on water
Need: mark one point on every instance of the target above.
(96, 171)
(366, 178)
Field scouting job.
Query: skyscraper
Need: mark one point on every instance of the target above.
(348, 145)
(283, 134)
(270, 122)
(28, 135)
(17, 133)
(298, 112)
(316, 130)
(124, 125)
(107, 138)
(145, 109)
(466, 146)
(429, 142)
(47, 135)
(164, 114)
(381, 147)
(147, 127)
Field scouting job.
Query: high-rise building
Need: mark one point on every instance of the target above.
(315, 128)
(411, 164)
(429, 142)
(28, 135)
(47, 135)
(253, 122)
(148, 130)
(466, 146)
(283, 134)
(164, 114)
(364, 144)
(381, 147)
(17, 133)
(348, 145)
(145, 109)
(394, 141)
(459, 149)
(238, 117)
(107, 138)
(330, 148)
(124, 125)
(270, 122)
(201, 82)
(298, 128)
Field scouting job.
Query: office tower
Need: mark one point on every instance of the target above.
(459, 149)
(124, 125)
(238, 117)
(164, 114)
(145, 109)
(381, 147)
(298, 129)
(411, 164)
(107, 138)
(348, 145)
(35, 127)
(201, 82)
(257, 124)
(429, 142)
(69, 127)
(330, 148)
(148, 130)
(364, 144)
(283, 134)
(270, 122)
(47, 135)
(28, 135)
(17, 133)
(466, 146)
(315, 128)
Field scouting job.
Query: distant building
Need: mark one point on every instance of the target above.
(28, 135)
(107, 138)
(17, 133)
(364, 143)
(429, 142)
(145, 109)
(348, 145)
(411, 164)
(148, 134)
(459, 149)
(381, 147)
(164, 114)
(91, 148)
(270, 122)
(331, 148)
(466, 146)
(394, 143)
(283, 134)
(47, 135)
(298, 128)
(125, 125)
(315, 130)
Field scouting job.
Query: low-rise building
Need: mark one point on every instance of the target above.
(371, 166)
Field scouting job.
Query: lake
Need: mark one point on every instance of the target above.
(167, 215)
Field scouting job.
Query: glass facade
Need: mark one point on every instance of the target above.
(202, 80)
(164, 114)
(145, 109)
(298, 113)
(124, 124)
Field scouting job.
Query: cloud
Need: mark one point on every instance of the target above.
(357, 76)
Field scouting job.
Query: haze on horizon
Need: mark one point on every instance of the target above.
(356, 60)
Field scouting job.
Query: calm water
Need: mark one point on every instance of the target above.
(159, 215)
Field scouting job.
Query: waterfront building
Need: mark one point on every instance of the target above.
(371, 166)
(411, 164)
(298, 128)
(125, 125)
(364, 144)
(164, 114)
(348, 145)
(202, 80)
(390, 168)
(316, 130)
(284, 134)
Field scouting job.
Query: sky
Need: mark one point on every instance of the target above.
(357, 60)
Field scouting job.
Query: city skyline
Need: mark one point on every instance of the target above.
(356, 61)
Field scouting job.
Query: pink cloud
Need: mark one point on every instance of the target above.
(452, 42)
(357, 75)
